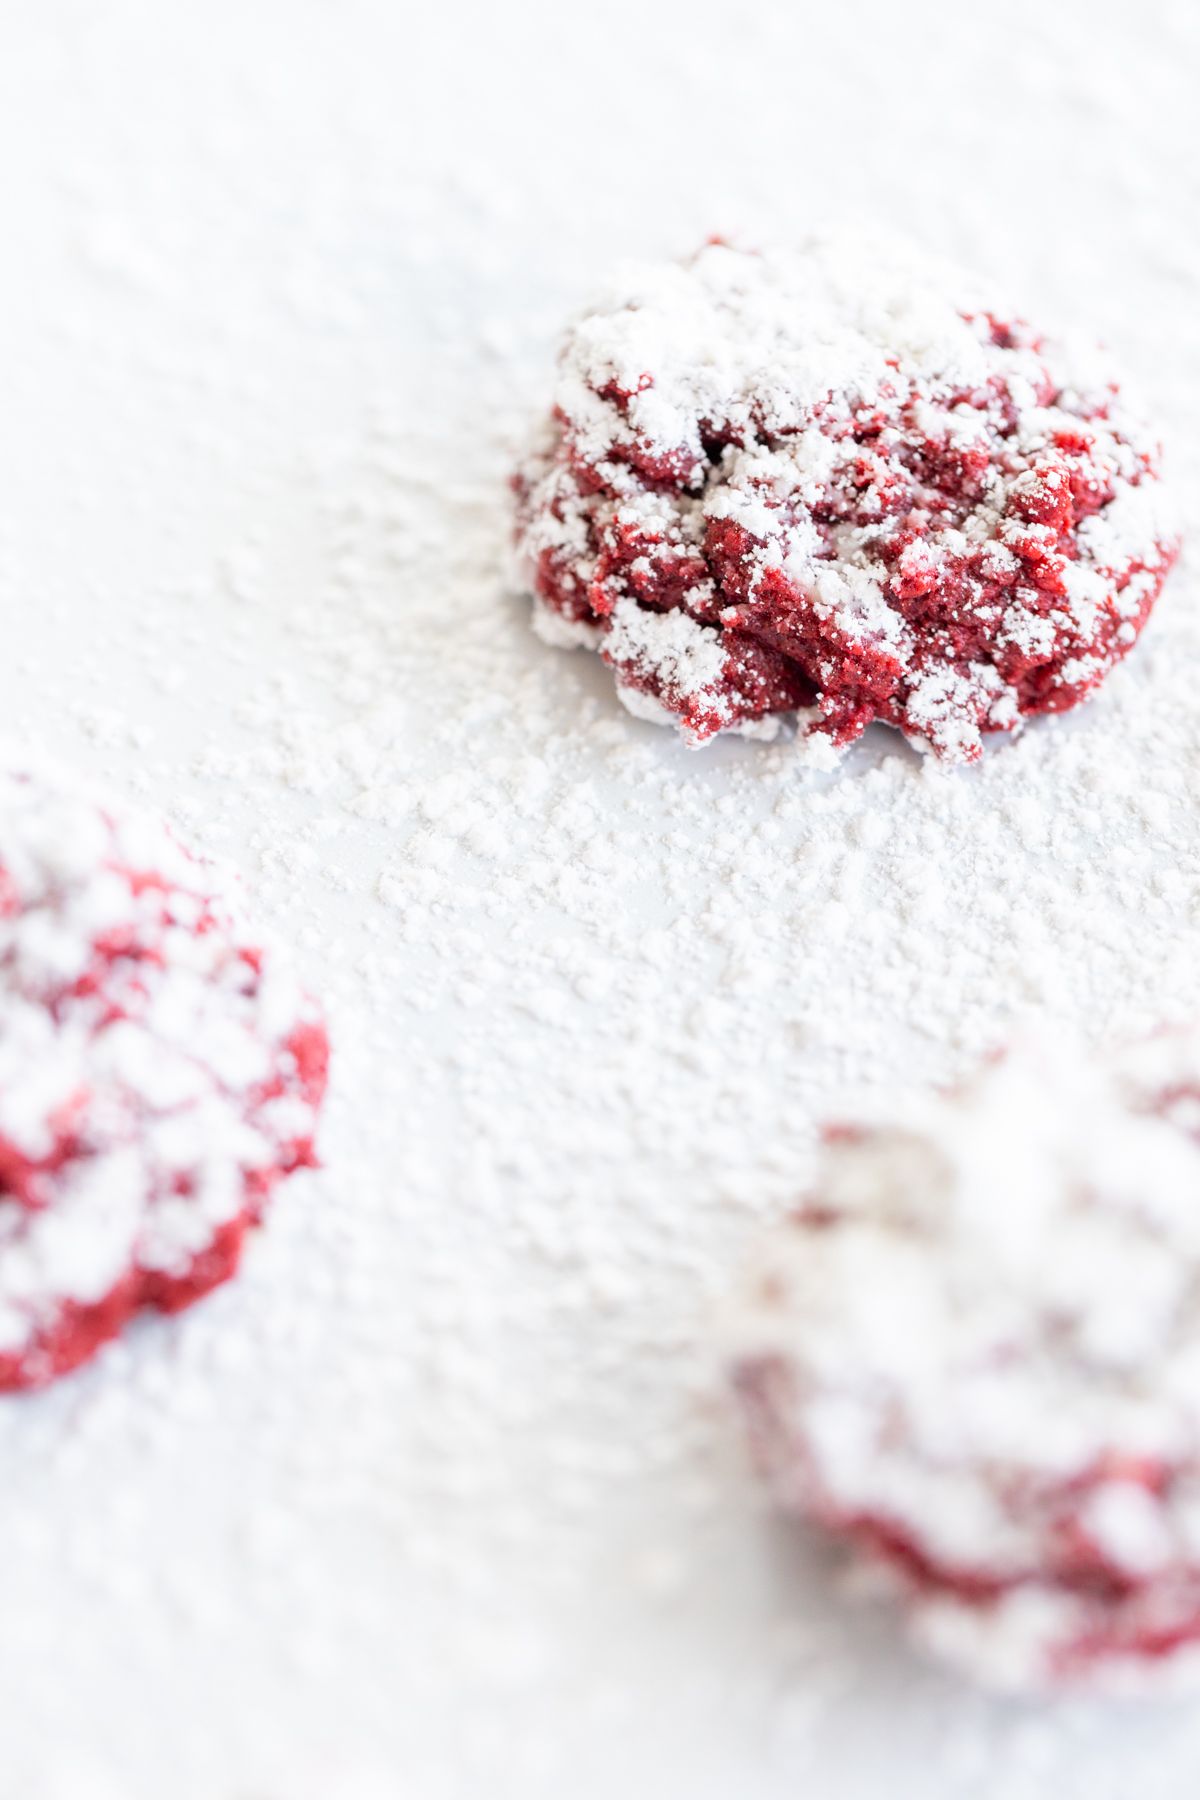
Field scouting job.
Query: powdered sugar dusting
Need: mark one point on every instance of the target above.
(689, 660)
(844, 475)
(974, 1352)
(151, 1087)
(444, 1493)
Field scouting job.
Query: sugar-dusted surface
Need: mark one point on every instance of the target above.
(972, 1352)
(160, 1071)
(843, 477)
(443, 1494)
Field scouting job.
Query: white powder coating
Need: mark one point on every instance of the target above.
(149, 1093)
(799, 395)
(979, 1341)
(759, 341)
(444, 1495)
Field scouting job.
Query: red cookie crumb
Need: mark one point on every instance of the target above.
(840, 481)
(973, 1356)
(160, 1072)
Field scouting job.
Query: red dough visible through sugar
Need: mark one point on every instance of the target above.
(839, 480)
(972, 1356)
(160, 1073)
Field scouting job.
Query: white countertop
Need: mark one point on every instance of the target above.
(441, 1498)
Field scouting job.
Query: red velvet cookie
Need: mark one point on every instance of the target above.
(974, 1355)
(841, 480)
(159, 1073)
